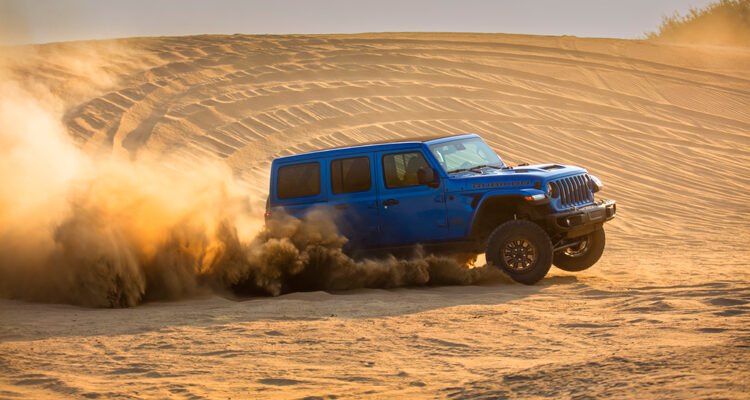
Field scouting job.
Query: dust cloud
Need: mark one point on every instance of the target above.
(101, 231)
(295, 255)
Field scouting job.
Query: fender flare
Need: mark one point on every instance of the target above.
(514, 195)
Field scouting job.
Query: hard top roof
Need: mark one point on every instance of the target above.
(394, 144)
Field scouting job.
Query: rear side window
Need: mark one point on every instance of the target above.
(349, 175)
(400, 169)
(298, 180)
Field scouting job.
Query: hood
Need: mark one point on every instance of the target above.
(517, 177)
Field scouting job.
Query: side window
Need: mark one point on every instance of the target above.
(298, 180)
(349, 175)
(400, 169)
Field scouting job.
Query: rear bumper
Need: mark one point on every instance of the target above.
(584, 220)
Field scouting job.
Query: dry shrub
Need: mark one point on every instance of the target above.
(726, 22)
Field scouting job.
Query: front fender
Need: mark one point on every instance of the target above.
(511, 198)
(516, 193)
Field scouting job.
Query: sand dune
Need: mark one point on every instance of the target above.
(663, 314)
(655, 120)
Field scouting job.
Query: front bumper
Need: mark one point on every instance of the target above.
(582, 221)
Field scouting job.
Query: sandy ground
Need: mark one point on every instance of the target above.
(663, 314)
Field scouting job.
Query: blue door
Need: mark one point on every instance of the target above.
(353, 199)
(409, 212)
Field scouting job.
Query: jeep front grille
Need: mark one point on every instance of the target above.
(574, 190)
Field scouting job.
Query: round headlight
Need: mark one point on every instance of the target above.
(596, 184)
(552, 190)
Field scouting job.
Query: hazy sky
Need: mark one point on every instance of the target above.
(40, 21)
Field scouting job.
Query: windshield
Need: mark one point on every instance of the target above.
(465, 154)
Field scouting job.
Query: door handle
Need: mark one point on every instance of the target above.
(341, 206)
(390, 202)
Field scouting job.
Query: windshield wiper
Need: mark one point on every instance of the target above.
(484, 166)
(472, 169)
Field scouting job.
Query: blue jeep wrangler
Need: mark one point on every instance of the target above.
(449, 194)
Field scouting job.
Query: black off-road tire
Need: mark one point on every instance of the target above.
(583, 256)
(521, 249)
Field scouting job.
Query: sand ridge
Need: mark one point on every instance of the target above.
(663, 314)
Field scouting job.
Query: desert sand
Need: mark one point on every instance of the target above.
(666, 127)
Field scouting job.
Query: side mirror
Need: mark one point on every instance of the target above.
(427, 176)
